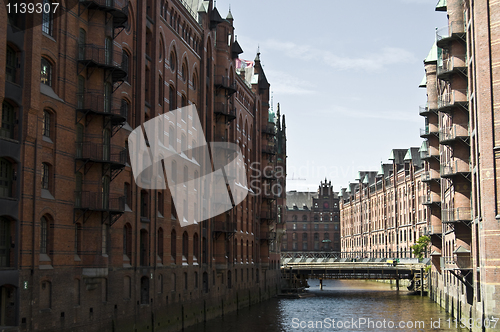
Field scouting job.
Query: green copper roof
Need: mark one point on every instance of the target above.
(423, 147)
(441, 6)
(381, 170)
(461, 250)
(408, 155)
(433, 54)
(365, 180)
(423, 83)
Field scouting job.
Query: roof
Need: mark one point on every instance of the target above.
(299, 199)
(423, 83)
(441, 6)
(433, 54)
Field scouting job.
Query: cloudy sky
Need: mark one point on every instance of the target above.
(346, 75)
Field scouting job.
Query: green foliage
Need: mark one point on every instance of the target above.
(420, 248)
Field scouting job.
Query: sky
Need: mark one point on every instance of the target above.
(346, 76)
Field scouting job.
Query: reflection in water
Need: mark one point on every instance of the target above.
(349, 305)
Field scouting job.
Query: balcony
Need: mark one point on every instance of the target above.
(453, 133)
(96, 102)
(454, 31)
(433, 230)
(454, 168)
(91, 55)
(429, 176)
(269, 149)
(269, 129)
(428, 131)
(447, 101)
(99, 201)
(424, 110)
(267, 236)
(224, 226)
(226, 110)
(431, 152)
(455, 64)
(461, 214)
(115, 155)
(431, 199)
(118, 12)
(223, 82)
(267, 215)
(457, 262)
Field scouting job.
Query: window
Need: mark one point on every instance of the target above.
(78, 239)
(44, 235)
(183, 73)
(5, 242)
(144, 248)
(46, 72)
(127, 240)
(144, 204)
(173, 245)
(124, 110)
(104, 241)
(47, 18)
(172, 61)
(125, 62)
(185, 245)
(82, 39)
(160, 243)
(195, 246)
(46, 123)
(80, 93)
(8, 121)
(46, 176)
(160, 90)
(11, 64)
(171, 98)
(304, 226)
(160, 205)
(108, 90)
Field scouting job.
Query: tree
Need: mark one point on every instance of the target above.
(420, 248)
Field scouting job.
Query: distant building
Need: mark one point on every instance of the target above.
(313, 220)
(383, 213)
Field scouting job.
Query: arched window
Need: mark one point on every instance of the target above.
(7, 128)
(46, 124)
(108, 50)
(195, 247)
(144, 248)
(171, 98)
(44, 235)
(144, 204)
(5, 242)
(172, 61)
(46, 176)
(185, 245)
(127, 240)
(304, 217)
(160, 243)
(47, 18)
(184, 72)
(11, 65)
(46, 72)
(173, 245)
(144, 290)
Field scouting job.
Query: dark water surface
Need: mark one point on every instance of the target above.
(341, 306)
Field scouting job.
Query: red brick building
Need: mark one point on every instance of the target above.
(82, 248)
(313, 220)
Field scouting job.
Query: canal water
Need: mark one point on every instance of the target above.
(341, 306)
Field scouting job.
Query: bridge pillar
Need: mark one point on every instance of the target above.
(397, 282)
(320, 283)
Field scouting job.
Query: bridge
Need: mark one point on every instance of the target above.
(298, 266)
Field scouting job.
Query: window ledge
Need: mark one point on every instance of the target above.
(11, 140)
(47, 90)
(47, 139)
(49, 36)
(144, 219)
(46, 194)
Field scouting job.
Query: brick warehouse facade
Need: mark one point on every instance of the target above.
(383, 213)
(312, 220)
(82, 248)
(462, 152)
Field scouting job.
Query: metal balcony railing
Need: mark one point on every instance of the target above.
(269, 129)
(97, 102)
(457, 262)
(454, 98)
(452, 133)
(431, 198)
(270, 236)
(99, 153)
(429, 176)
(453, 168)
(461, 214)
(431, 152)
(224, 226)
(99, 201)
(423, 110)
(428, 130)
(225, 109)
(268, 215)
(432, 229)
(455, 63)
(269, 149)
(225, 83)
(455, 29)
